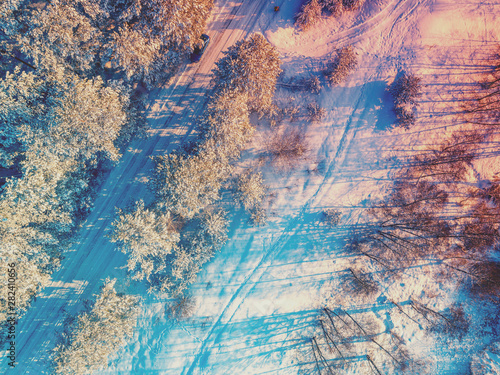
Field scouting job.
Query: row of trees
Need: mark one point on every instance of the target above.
(58, 130)
(63, 119)
(143, 39)
(174, 236)
(430, 215)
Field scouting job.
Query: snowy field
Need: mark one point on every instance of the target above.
(258, 299)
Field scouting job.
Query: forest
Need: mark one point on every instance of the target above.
(208, 234)
(70, 81)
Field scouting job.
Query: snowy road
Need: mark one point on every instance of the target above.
(172, 115)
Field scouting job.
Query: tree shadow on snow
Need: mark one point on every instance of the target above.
(381, 104)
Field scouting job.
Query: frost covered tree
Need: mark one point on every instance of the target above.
(205, 235)
(225, 124)
(250, 190)
(143, 39)
(13, 23)
(32, 266)
(61, 33)
(343, 64)
(151, 37)
(168, 260)
(405, 91)
(79, 118)
(147, 237)
(187, 184)
(252, 67)
(18, 94)
(309, 14)
(94, 336)
(135, 53)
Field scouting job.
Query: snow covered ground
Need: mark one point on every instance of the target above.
(259, 297)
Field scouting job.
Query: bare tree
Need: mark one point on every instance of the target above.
(181, 307)
(453, 322)
(315, 112)
(331, 217)
(287, 146)
(359, 283)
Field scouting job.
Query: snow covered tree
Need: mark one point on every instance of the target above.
(59, 33)
(200, 238)
(225, 124)
(90, 118)
(133, 52)
(147, 237)
(405, 91)
(18, 93)
(79, 118)
(252, 67)
(250, 192)
(205, 235)
(153, 36)
(335, 7)
(94, 336)
(309, 14)
(187, 184)
(144, 39)
(12, 24)
(343, 64)
(31, 264)
(212, 233)
(352, 4)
